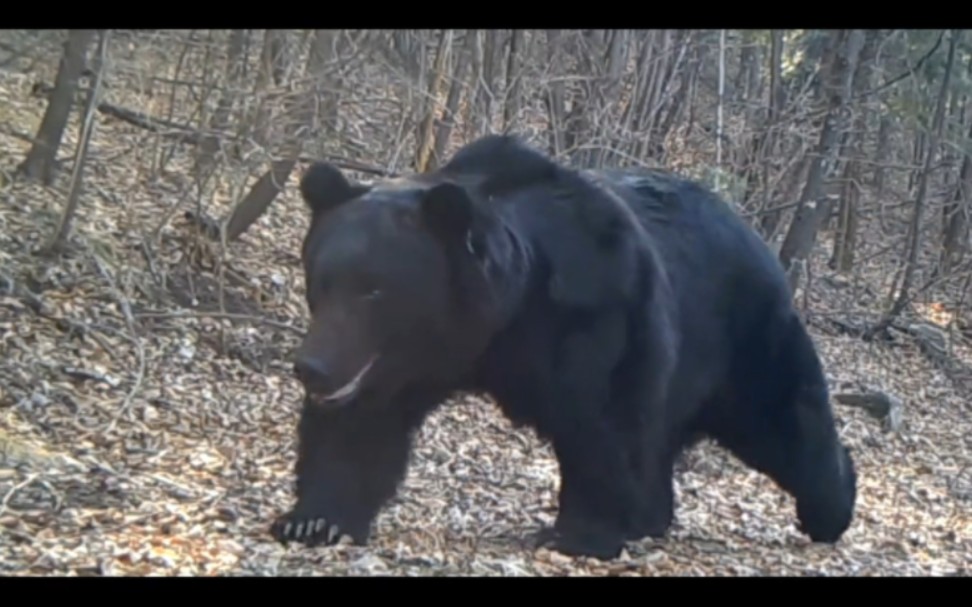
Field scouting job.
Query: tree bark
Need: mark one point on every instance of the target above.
(81, 154)
(955, 215)
(299, 112)
(448, 120)
(554, 99)
(513, 63)
(235, 63)
(837, 74)
(845, 240)
(914, 235)
(40, 162)
(425, 141)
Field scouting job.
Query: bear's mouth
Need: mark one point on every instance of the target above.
(345, 393)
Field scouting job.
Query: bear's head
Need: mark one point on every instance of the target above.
(397, 285)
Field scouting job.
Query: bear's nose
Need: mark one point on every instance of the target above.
(311, 371)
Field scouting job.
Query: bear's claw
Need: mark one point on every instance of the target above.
(310, 532)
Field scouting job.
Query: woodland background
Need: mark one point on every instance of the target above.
(151, 292)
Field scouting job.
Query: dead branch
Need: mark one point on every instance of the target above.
(880, 405)
(184, 134)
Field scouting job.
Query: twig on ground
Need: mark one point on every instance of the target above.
(126, 308)
(34, 302)
(13, 491)
(226, 315)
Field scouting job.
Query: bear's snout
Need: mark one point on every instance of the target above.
(325, 386)
(312, 372)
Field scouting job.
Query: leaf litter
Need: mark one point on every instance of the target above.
(166, 447)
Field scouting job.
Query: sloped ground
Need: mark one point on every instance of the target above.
(146, 433)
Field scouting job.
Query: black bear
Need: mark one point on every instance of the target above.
(622, 315)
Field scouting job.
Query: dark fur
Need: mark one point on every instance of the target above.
(621, 315)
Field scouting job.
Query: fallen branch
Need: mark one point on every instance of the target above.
(880, 405)
(126, 307)
(89, 375)
(13, 490)
(169, 130)
(932, 340)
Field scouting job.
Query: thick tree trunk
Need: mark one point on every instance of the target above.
(838, 74)
(40, 163)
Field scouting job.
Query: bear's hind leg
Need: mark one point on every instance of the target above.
(657, 508)
(599, 493)
(781, 424)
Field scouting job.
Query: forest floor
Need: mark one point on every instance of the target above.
(147, 427)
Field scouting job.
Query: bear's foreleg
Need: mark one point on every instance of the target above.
(350, 462)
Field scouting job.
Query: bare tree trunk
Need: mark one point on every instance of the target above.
(837, 74)
(748, 60)
(299, 111)
(918, 146)
(795, 175)
(81, 154)
(327, 48)
(882, 153)
(601, 59)
(955, 215)
(513, 63)
(639, 104)
(956, 218)
(653, 81)
(699, 51)
(949, 158)
(276, 55)
(408, 49)
(554, 98)
(845, 240)
(40, 162)
(914, 235)
(682, 98)
(425, 140)
(482, 107)
(448, 121)
(610, 91)
(675, 50)
(720, 106)
(579, 128)
(270, 74)
(757, 123)
(776, 71)
(220, 122)
(772, 144)
(163, 155)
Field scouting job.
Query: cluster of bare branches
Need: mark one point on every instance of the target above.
(812, 134)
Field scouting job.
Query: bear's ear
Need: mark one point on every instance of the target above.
(448, 211)
(324, 187)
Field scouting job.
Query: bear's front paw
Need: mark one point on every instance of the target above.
(308, 530)
(652, 525)
(604, 547)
